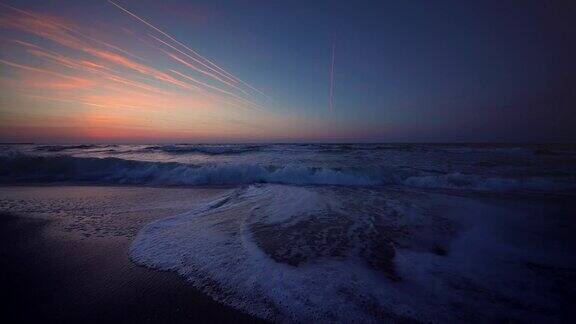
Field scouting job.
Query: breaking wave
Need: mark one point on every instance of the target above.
(16, 168)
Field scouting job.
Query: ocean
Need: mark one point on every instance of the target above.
(348, 232)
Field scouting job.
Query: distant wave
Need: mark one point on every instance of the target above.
(21, 168)
(205, 149)
(59, 148)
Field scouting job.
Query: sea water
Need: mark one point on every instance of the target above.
(350, 232)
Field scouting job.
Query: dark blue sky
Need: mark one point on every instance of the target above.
(404, 70)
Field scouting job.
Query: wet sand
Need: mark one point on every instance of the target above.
(64, 257)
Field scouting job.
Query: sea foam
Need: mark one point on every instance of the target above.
(302, 254)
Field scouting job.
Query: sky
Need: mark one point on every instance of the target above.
(128, 71)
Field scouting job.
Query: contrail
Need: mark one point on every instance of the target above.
(35, 69)
(35, 16)
(214, 67)
(210, 74)
(133, 15)
(331, 107)
(237, 97)
(234, 97)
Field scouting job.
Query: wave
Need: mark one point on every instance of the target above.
(59, 148)
(295, 237)
(205, 149)
(310, 254)
(26, 168)
(20, 168)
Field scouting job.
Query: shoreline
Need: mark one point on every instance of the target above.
(58, 269)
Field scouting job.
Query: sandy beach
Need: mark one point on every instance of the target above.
(64, 255)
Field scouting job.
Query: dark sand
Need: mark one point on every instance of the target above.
(64, 257)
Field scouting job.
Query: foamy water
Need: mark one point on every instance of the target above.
(350, 233)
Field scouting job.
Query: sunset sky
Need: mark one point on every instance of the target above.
(260, 71)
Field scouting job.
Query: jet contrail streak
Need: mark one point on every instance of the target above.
(215, 67)
(35, 69)
(133, 15)
(210, 74)
(237, 97)
(35, 16)
(331, 107)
